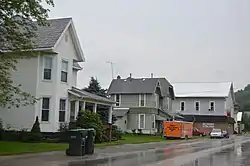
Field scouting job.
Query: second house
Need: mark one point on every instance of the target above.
(142, 104)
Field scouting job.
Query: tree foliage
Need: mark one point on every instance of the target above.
(243, 98)
(17, 33)
(95, 87)
(88, 119)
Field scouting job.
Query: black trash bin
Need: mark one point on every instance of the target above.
(77, 141)
(89, 145)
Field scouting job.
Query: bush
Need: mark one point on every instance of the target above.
(35, 135)
(11, 135)
(1, 129)
(88, 119)
(134, 131)
(63, 132)
(140, 132)
(116, 132)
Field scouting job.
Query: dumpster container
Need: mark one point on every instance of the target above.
(89, 145)
(77, 141)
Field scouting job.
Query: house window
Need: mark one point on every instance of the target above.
(142, 100)
(47, 68)
(182, 106)
(141, 121)
(211, 106)
(118, 100)
(168, 103)
(45, 109)
(153, 121)
(62, 110)
(64, 71)
(197, 106)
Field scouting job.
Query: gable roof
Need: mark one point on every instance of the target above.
(202, 89)
(138, 85)
(49, 36)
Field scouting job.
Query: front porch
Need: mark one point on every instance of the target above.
(82, 100)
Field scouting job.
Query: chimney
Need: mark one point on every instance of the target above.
(152, 75)
(118, 77)
(130, 75)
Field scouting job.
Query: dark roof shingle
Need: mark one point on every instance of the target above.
(49, 35)
(138, 85)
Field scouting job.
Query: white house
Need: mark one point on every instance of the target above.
(206, 103)
(51, 76)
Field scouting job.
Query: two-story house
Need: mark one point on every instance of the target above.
(141, 103)
(208, 105)
(51, 77)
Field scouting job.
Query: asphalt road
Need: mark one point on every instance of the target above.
(221, 152)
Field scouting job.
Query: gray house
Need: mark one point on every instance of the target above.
(141, 103)
(208, 105)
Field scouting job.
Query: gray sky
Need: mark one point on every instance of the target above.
(182, 40)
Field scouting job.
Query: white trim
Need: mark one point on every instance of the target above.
(184, 105)
(144, 98)
(64, 60)
(65, 111)
(210, 105)
(139, 122)
(195, 105)
(41, 109)
(43, 67)
(119, 103)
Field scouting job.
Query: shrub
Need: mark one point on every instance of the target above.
(35, 135)
(134, 131)
(1, 129)
(116, 132)
(63, 132)
(11, 135)
(88, 119)
(140, 131)
(36, 126)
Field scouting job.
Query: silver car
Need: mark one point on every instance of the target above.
(216, 133)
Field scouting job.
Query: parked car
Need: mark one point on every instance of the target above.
(225, 134)
(216, 133)
(197, 132)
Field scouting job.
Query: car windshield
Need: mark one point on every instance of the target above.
(216, 130)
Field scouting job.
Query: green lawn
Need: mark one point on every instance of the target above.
(11, 148)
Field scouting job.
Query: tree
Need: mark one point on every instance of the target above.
(95, 88)
(242, 98)
(88, 119)
(18, 31)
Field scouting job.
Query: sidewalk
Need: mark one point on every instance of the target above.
(59, 158)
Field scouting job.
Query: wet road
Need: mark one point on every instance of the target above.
(225, 152)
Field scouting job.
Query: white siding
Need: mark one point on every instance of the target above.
(74, 80)
(30, 75)
(26, 75)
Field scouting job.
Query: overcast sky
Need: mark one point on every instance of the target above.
(182, 40)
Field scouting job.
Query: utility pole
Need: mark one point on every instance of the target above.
(112, 68)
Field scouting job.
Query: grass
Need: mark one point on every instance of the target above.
(12, 148)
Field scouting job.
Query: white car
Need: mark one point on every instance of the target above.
(216, 133)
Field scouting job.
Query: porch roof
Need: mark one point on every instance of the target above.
(90, 96)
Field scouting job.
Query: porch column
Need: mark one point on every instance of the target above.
(110, 114)
(95, 108)
(76, 108)
(83, 105)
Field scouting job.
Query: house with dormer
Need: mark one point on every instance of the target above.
(142, 104)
